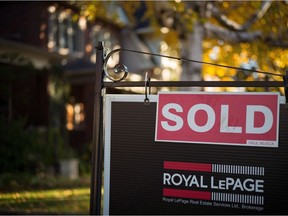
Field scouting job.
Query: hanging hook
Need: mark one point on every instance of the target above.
(285, 81)
(147, 88)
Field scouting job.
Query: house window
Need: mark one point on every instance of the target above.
(65, 35)
(75, 116)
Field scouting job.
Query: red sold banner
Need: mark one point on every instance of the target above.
(249, 119)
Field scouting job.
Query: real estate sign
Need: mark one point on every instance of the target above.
(196, 153)
(232, 119)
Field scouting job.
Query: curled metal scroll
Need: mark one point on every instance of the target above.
(119, 70)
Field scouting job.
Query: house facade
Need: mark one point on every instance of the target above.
(58, 47)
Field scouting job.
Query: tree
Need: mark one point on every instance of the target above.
(257, 27)
(234, 23)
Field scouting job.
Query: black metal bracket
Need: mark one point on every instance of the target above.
(147, 88)
(285, 81)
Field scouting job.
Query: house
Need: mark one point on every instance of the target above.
(59, 50)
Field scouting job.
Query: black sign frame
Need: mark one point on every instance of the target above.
(134, 170)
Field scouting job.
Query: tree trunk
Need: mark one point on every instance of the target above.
(192, 49)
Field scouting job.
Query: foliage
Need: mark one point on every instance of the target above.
(15, 58)
(269, 58)
(272, 24)
(102, 10)
(85, 159)
(30, 150)
(269, 50)
(58, 89)
(22, 150)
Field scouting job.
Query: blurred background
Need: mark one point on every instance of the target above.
(47, 72)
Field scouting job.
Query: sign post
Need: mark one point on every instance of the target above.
(96, 176)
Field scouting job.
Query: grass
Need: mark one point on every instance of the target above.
(66, 198)
(58, 201)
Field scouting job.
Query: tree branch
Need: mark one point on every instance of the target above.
(276, 42)
(232, 25)
(258, 14)
(231, 36)
(222, 19)
(212, 30)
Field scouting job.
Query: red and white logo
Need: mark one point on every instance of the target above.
(250, 119)
(221, 182)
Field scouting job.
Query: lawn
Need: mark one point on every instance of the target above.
(53, 201)
(65, 199)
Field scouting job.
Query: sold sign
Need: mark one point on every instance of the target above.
(249, 119)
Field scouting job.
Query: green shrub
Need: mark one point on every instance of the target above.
(23, 150)
(15, 143)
